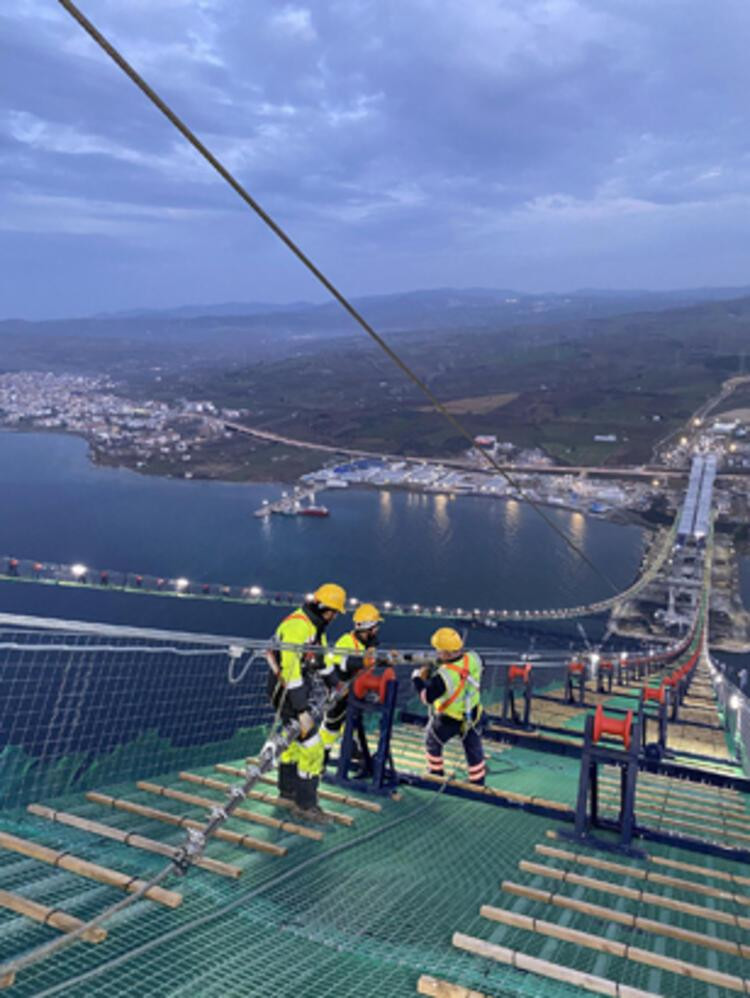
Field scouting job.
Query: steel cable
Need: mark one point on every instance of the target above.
(254, 205)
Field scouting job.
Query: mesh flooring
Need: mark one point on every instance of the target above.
(364, 912)
(368, 909)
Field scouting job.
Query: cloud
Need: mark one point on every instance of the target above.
(295, 22)
(400, 139)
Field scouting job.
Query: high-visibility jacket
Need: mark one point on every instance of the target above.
(463, 679)
(348, 654)
(298, 629)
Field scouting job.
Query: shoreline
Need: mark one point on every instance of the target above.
(624, 517)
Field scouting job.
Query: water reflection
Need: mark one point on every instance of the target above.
(386, 506)
(578, 528)
(440, 514)
(512, 509)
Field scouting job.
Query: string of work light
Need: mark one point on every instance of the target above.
(77, 574)
(318, 274)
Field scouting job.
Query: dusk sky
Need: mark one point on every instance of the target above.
(540, 145)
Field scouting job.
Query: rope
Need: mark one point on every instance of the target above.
(238, 188)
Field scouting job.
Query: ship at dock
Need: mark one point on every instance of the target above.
(299, 503)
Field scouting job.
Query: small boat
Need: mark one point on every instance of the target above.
(313, 511)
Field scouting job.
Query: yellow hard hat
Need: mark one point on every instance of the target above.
(331, 596)
(446, 639)
(366, 616)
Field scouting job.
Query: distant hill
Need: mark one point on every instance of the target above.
(198, 311)
(238, 335)
(445, 307)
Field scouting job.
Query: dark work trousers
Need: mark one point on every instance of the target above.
(440, 730)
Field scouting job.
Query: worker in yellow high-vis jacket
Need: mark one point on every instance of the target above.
(290, 686)
(354, 651)
(452, 691)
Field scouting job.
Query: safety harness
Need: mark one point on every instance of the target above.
(466, 684)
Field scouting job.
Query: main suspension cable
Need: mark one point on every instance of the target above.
(239, 189)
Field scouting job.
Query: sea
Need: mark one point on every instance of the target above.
(57, 506)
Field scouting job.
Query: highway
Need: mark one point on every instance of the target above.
(641, 472)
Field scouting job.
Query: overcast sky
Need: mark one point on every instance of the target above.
(528, 144)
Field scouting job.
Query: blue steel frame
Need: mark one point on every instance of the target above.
(375, 773)
(510, 710)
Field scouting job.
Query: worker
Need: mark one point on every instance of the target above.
(292, 687)
(353, 652)
(451, 688)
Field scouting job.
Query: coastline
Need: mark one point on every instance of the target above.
(283, 470)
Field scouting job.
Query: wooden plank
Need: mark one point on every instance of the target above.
(688, 788)
(49, 916)
(84, 868)
(602, 944)
(273, 800)
(680, 796)
(236, 838)
(651, 876)
(545, 968)
(675, 802)
(670, 807)
(330, 795)
(244, 815)
(435, 988)
(635, 894)
(677, 864)
(607, 915)
(509, 795)
(126, 838)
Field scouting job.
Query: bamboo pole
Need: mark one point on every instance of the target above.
(435, 988)
(652, 877)
(84, 868)
(545, 968)
(635, 894)
(244, 815)
(271, 799)
(236, 838)
(626, 952)
(330, 795)
(49, 916)
(126, 838)
(650, 925)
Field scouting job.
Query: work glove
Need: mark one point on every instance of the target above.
(306, 723)
(368, 659)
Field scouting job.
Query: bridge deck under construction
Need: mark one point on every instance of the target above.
(396, 894)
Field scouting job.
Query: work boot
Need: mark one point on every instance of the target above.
(287, 782)
(306, 807)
